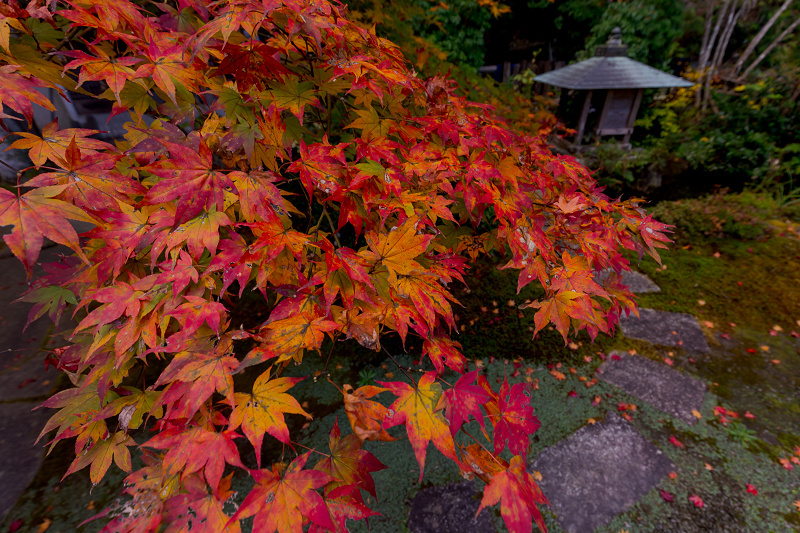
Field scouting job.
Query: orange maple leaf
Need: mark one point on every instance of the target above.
(262, 412)
(398, 248)
(281, 499)
(417, 408)
(53, 143)
(365, 415)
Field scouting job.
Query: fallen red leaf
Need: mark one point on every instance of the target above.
(696, 500)
(666, 496)
(676, 442)
(752, 490)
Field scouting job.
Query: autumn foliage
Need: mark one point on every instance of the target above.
(294, 156)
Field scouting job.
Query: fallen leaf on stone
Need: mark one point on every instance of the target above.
(615, 357)
(592, 421)
(752, 490)
(676, 442)
(709, 467)
(680, 343)
(537, 475)
(764, 347)
(696, 500)
(666, 496)
(725, 336)
(709, 325)
(696, 414)
(44, 525)
(701, 302)
(627, 417)
(673, 475)
(668, 361)
(632, 352)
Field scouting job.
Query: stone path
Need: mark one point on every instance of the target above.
(604, 468)
(659, 385)
(670, 329)
(448, 509)
(598, 472)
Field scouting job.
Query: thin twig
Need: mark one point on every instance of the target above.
(406, 372)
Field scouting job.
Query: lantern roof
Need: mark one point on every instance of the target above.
(611, 69)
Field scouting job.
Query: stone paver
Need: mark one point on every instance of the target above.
(19, 458)
(599, 472)
(671, 329)
(448, 509)
(661, 386)
(636, 281)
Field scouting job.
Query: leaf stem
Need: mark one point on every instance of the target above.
(311, 449)
(479, 443)
(333, 228)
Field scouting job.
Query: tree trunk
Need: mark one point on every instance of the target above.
(772, 46)
(725, 36)
(706, 54)
(759, 37)
(701, 64)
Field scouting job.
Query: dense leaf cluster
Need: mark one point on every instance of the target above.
(294, 155)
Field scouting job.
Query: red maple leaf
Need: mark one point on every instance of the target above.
(515, 421)
(518, 495)
(188, 178)
(463, 400)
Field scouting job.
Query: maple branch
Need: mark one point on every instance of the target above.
(74, 33)
(406, 372)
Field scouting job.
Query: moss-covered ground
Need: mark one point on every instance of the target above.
(732, 268)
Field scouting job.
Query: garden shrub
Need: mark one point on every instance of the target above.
(292, 161)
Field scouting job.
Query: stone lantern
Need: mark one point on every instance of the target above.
(610, 82)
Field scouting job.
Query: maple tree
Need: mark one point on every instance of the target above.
(276, 146)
